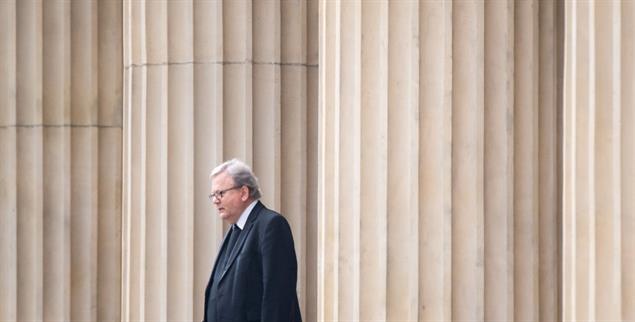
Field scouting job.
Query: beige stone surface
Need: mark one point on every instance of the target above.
(266, 32)
(84, 222)
(238, 31)
(8, 223)
(550, 158)
(237, 111)
(154, 34)
(180, 31)
(627, 166)
(8, 63)
(309, 266)
(110, 145)
(109, 254)
(436, 160)
(402, 172)
(8, 163)
(467, 162)
(499, 201)
(607, 162)
(84, 160)
(208, 133)
(208, 31)
(85, 63)
(328, 95)
(29, 223)
(156, 196)
(135, 31)
(266, 131)
(295, 31)
(29, 161)
(464, 134)
(50, 134)
(180, 192)
(568, 168)
(57, 160)
(56, 212)
(110, 80)
(435, 176)
(597, 254)
(133, 232)
(56, 63)
(346, 166)
(29, 62)
(526, 163)
(373, 160)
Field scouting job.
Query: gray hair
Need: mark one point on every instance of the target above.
(242, 175)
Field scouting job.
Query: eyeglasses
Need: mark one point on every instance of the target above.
(221, 193)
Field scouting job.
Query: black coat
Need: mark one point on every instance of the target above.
(259, 281)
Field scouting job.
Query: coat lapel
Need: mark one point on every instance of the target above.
(220, 252)
(241, 239)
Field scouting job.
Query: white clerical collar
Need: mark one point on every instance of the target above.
(243, 217)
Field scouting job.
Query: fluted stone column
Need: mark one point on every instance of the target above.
(8, 163)
(438, 177)
(84, 159)
(439, 157)
(598, 208)
(57, 150)
(29, 159)
(467, 228)
(550, 170)
(61, 108)
(501, 59)
(110, 143)
(627, 166)
(435, 192)
(207, 81)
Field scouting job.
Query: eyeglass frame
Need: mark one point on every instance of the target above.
(219, 194)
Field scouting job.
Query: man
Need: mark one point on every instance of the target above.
(254, 276)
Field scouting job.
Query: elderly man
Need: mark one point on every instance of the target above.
(254, 276)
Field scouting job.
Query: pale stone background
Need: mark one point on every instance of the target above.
(437, 160)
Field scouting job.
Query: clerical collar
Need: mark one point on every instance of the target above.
(245, 215)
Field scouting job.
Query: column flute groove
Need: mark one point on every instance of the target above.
(8, 163)
(29, 161)
(499, 172)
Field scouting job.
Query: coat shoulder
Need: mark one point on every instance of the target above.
(267, 216)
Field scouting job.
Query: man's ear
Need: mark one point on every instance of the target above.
(244, 193)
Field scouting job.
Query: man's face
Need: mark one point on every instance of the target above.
(233, 201)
